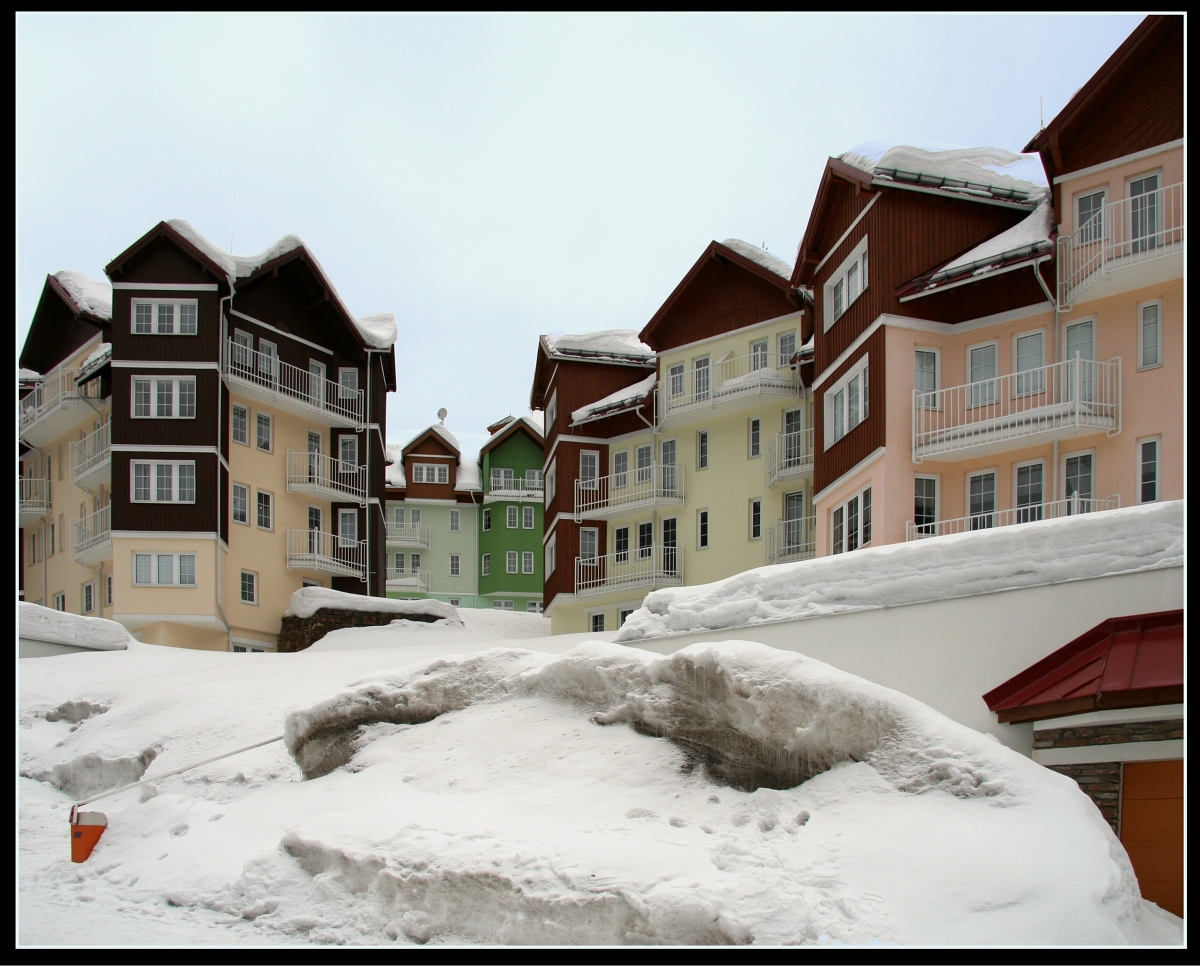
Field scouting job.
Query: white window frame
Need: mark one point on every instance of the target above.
(1062, 468)
(703, 529)
(485, 565)
(245, 488)
(175, 465)
(843, 507)
(760, 354)
(981, 399)
(589, 482)
(268, 358)
(936, 402)
(176, 382)
(937, 498)
(829, 398)
(533, 606)
(421, 471)
(487, 518)
(784, 355)
(527, 564)
(245, 410)
(344, 465)
(551, 554)
(644, 473)
(1047, 483)
(620, 477)
(253, 575)
(512, 561)
(1077, 197)
(702, 449)
(970, 475)
(177, 315)
(750, 510)
(754, 446)
(1141, 325)
(595, 535)
(348, 388)
(1037, 384)
(455, 521)
(154, 571)
(646, 551)
(108, 590)
(88, 597)
(270, 423)
(343, 539)
(702, 364)
(270, 495)
(551, 412)
(60, 602)
(528, 518)
(551, 482)
(593, 620)
(1137, 468)
(857, 258)
(676, 380)
(512, 518)
(455, 565)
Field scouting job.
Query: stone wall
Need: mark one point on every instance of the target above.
(297, 633)
(1101, 782)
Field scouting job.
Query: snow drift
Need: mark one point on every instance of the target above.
(308, 600)
(38, 623)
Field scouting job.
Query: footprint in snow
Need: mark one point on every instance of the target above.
(677, 821)
(179, 830)
(640, 813)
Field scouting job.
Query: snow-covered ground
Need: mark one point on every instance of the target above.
(548, 790)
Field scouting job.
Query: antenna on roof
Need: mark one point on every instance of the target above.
(442, 415)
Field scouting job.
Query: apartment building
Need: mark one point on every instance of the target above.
(199, 437)
(511, 516)
(692, 470)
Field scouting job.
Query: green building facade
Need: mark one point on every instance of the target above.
(511, 517)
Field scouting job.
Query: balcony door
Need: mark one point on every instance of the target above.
(793, 427)
(1029, 492)
(983, 501)
(793, 517)
(670, 541)
(668, 467)
(1143, 213)
(1081, 346)
(314, 530)
(316, 382)
(314, 457)
(1079, 487)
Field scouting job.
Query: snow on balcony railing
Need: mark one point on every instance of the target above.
(268, 374)
(409, 535)
(791, 454)
(316, 472)
(57, 389)
(1072, 506)
(641, 486)
(91, 451)
(408, 579)
(34, 495)
(792, 540)
(1127, 232)
(1066, 396)
(636, 568)
(328, 553)
(92, 532)
(718, 381)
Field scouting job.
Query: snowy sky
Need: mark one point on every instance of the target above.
(489, 178)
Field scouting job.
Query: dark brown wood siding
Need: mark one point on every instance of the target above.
(868, 435)
(580, 383)
(431, 445)
(294, 301)
(1000, 293)
(566, 465)
(162, 261)
(566, 549)
(223, 497)
(205, 346)
(54, 334)
(200, 516)
(201, 431)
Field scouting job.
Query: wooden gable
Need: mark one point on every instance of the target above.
(57, 329)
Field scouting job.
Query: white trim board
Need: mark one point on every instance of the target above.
(857, 468)
(267, 325)
(1124, 751)
(165, 286)
(846, 233)
(955, 195)
(161, 448)
(162, 534)
(1017, 266)
(1117, 162)
(141, 364)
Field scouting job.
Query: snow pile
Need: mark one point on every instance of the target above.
(472, 626)
(101, 355)
(972, 166)
(615, 400)
(1070, 548)
(95, 298)
(620, 344)
(1030, 235)
(308, 600)
(378, 330)
(760, 257)
(38, 623)
(469, 477)
(394, 474)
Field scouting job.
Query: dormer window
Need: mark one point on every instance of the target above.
(177, 317)
(430, 473)
(846, 284)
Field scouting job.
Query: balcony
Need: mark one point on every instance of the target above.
(407, 580)
(53, 407)
(409, 535)
(726, 386)
(326, 478)
(262, 376)
(1125, 234)
(789, 457)
(93, 538)
(1007, 518)
(640, 569)
(792, 540)
(510, 488)
(34, 499)
(621, 493)
(1079, 397)
(326, 553)
(91, 459)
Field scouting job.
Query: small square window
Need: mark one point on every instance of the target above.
(187, 570)
(597, 623)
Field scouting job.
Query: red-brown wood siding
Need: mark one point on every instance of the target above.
(431, 446)
(1000, 293)
(566, 549)
(201, 431)
(200, 516)
(164, 261)
(868, 435)
(566, 466)
(204, 346)
(580, 383)
(54, 333)
(845, 202)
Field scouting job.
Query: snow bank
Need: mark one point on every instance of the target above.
(1031, 234)
(616, 400)
(38, 623)
(1070, 548)
(88, 296)
(474, 626)
(760, 257)
(308, 600)
(994, 167)
(622, 343)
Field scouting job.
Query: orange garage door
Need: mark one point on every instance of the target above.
(1152, 828)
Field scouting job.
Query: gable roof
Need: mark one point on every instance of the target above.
(614, 347)
(89, 299)
(443, 436)
(507, 428)
(1123, 662)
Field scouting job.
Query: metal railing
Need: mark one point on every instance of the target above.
(792, 540)
(328, 553)
(267, 373)
(409, 535)
(91, 451)
(516, 488)
(406, 578)
(91, 532)
(643, 486)
(754, 374)
(638, 567)
(316, 471)
(56, 389)
(790, 454)
(34, 494)
(1072, 506)
(1122, 233)
(1072, 395)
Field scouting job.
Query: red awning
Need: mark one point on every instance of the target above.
(1125, 662)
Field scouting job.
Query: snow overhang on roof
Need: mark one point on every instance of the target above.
(1124, 662)
(101, 356)
(623, 400)
(607, 345)
(760, 256)
(440, 430)
(504, 428)
(86, 297)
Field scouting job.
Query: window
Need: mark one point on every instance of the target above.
(503, 605)
(1031, 377)
(512, 517)
(668, 468)
(455, 565)
(60, 601)
(675, 379)
(348, 454)
(787, 347)
(455, 601)
(589, 539)
(1079, 491)
(414, 563)
(314, 527)
(846, 403)
(527, 562)
(164, 569)
(551, 412)
(177, 317)
(702, 529)
(164, 482)
(702, 449)
(527, 518)
(241, 425)
(1080, 344)
(268, 357)
(50, 542)
(758, 355)
(851, 523)
(645, 541)
(397, 518)
(264, 510)
(1143, 213)
(89, 598)
(264, 432)
(670, 543)
(485, 564)
(925, 504)
(399, 564)
(551, 481)
(455, 521)
(502, 478)
(164, 398)
(700, 379)
(982, 365)
(510, 562)
(487, 518)
(108, 590)
(623, 616)
(1148, 458)
(756, 519)
(588, 467)
(249, 587)
(1150, 335)
(1091, 216)
(533, 479)
(645, 463)
(846, 284)
(925, 378)
(755, 438)
(620, 476)
(534, 606)
(348, 529)
(621, 545)
(241, 503)
(1029, 492)
(550, 553)
(982, 500)
(430, 473)
(348, 383)
(597, 623)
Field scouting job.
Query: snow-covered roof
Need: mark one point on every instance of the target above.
(615, 401)
(984, 172)
(615, 344)
(1145, 537)
(28, 375)
(308, 600)
(394, 475)
(442, 431)
(469, 476)
(378, 330)
(97, 360)
(38, 623)
(94, 298)
(760, 257)
(533, 424)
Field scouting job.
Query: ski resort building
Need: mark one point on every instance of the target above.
(200, 436)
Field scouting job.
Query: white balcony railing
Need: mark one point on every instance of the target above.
(34, 496)
(1072, 506)
(1122, 233)
(408, 580)
(51, 408)
(790, 455)
(515, 488)
(643, 568)
(327, 553)
(728, 379)
(653, 485)
(89, 455)
(792, 540)
(93, 536)
(1055, 401)
(325, 476)
(409, 535)
(282, 382)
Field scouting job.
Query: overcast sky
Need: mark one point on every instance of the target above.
(490, 178)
